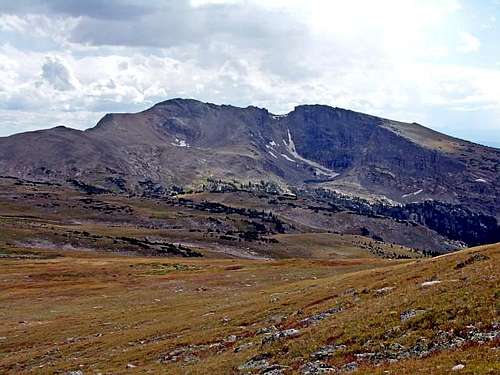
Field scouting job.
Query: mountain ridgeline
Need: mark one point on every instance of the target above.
(357, 162)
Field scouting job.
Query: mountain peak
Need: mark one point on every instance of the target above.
(183, 142)
(180, 101)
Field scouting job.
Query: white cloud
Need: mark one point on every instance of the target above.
(57, 74)
(468, 43)
(12, 23)
(394, 58)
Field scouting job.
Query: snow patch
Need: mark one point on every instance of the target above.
(274, 156)
(413, 194)
(430, 283)
(319, 172)
(277, 117)
(180, 143)
(271, 145)
(288, 158)
(481, 180)
(319, 169)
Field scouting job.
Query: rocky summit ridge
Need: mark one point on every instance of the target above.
(188, 144)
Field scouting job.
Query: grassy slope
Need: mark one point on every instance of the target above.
(100, 312)
(331, 245)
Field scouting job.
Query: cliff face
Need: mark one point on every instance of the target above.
(184, 142)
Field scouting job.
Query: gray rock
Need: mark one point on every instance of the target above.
(273, 370)
(287, 333)
(408, 314)
(326, 351)
(350, 292)
(349, 367)
(258, 362)
(383, 291)
(424, 347)
(231, 338)
(265, 330)
(243, 347)
(316, 367)
(321, 316)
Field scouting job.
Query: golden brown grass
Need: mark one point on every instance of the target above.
(98, 313)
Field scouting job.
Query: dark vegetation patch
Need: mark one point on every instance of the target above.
(277, 225)
(455, 222)
(161, 248)
(88, 189)
(24, 182)
(105, 207)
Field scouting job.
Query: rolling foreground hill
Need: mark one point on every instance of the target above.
(352, 173)
(80, 312)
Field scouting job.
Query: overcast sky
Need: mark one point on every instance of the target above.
(65, 62)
